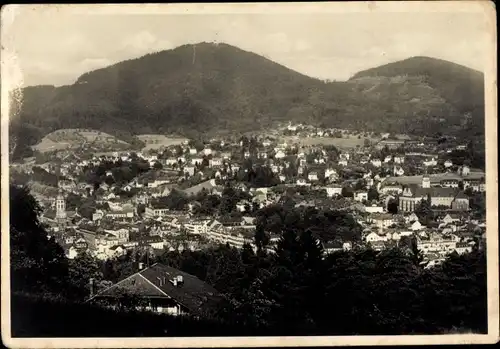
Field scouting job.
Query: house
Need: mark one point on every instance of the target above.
(448, 163)
(279, 154)
(302, 181)
(399, 159)
(196, 161)
(450, 183)
(376, 162)
(387, 159)
(162, 289)
(464, 171)
(361, 196)
(374, 209)
(342, 162)
(391, 188)
(193, 151)
(398, 171)
(331, 174)
(215, 162)
(381, 220)
(313, 176)
(430, 161)
(333, 190)
(462, 248)
(416, 226)
(374, 237)
(390, 143)
(345, 156)
(450, 218)
(189, 170)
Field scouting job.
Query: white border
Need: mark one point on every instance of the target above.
(12, 77)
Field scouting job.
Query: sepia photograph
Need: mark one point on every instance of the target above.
(249, 174)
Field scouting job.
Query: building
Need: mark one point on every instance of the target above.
(381, 220)
(332, 190)
(390, 143)
(361, 196)
(447, 197)
(162, 289)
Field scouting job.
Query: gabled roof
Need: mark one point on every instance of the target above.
(193, 293)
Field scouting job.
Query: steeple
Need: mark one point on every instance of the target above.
(60, 206)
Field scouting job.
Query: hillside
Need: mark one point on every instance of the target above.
(209, 88)
(460, 89)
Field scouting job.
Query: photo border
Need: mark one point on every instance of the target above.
(11, 77)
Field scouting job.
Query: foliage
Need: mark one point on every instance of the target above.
(297, 290)
(37, 263)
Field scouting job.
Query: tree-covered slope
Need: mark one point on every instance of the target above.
(206, 87)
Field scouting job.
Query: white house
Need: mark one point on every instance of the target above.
(376, 162)
(374, 237)
(313, 176)
(374, 209)
(215, 162)
(279, 154)
(302, 181)
(448, 163)
(361, 195)
(416, 226)
(189, 170)
(430, 162)
(399, 159)
(398, 171)
(332, 190)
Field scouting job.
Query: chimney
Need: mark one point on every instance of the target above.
(160, 281)
(92, 290)
(174, 281)
(180, 279)
(141, 266)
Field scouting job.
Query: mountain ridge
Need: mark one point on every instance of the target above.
(206, 87)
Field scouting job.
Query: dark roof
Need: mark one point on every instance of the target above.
(193, 293)
(433, 191)
(461, 195)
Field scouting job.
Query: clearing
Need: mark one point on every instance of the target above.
(74, 138)
(158, 141)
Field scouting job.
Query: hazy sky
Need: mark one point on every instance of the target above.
(56, 45)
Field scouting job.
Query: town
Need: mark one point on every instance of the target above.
(200, 193)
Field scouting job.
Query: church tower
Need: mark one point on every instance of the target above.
(60, 206)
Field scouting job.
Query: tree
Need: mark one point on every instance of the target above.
(38, 264)
(157, 165)
(372, 194)
(392, 206)
(424, 211)
(347, 192)
(81, 269)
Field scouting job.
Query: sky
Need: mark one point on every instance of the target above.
(55, 45)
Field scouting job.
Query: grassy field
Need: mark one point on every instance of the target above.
(347, 142)
(157, 141)
(73, 138)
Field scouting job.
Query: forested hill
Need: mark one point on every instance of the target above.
(459, 86)
(215, 87)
